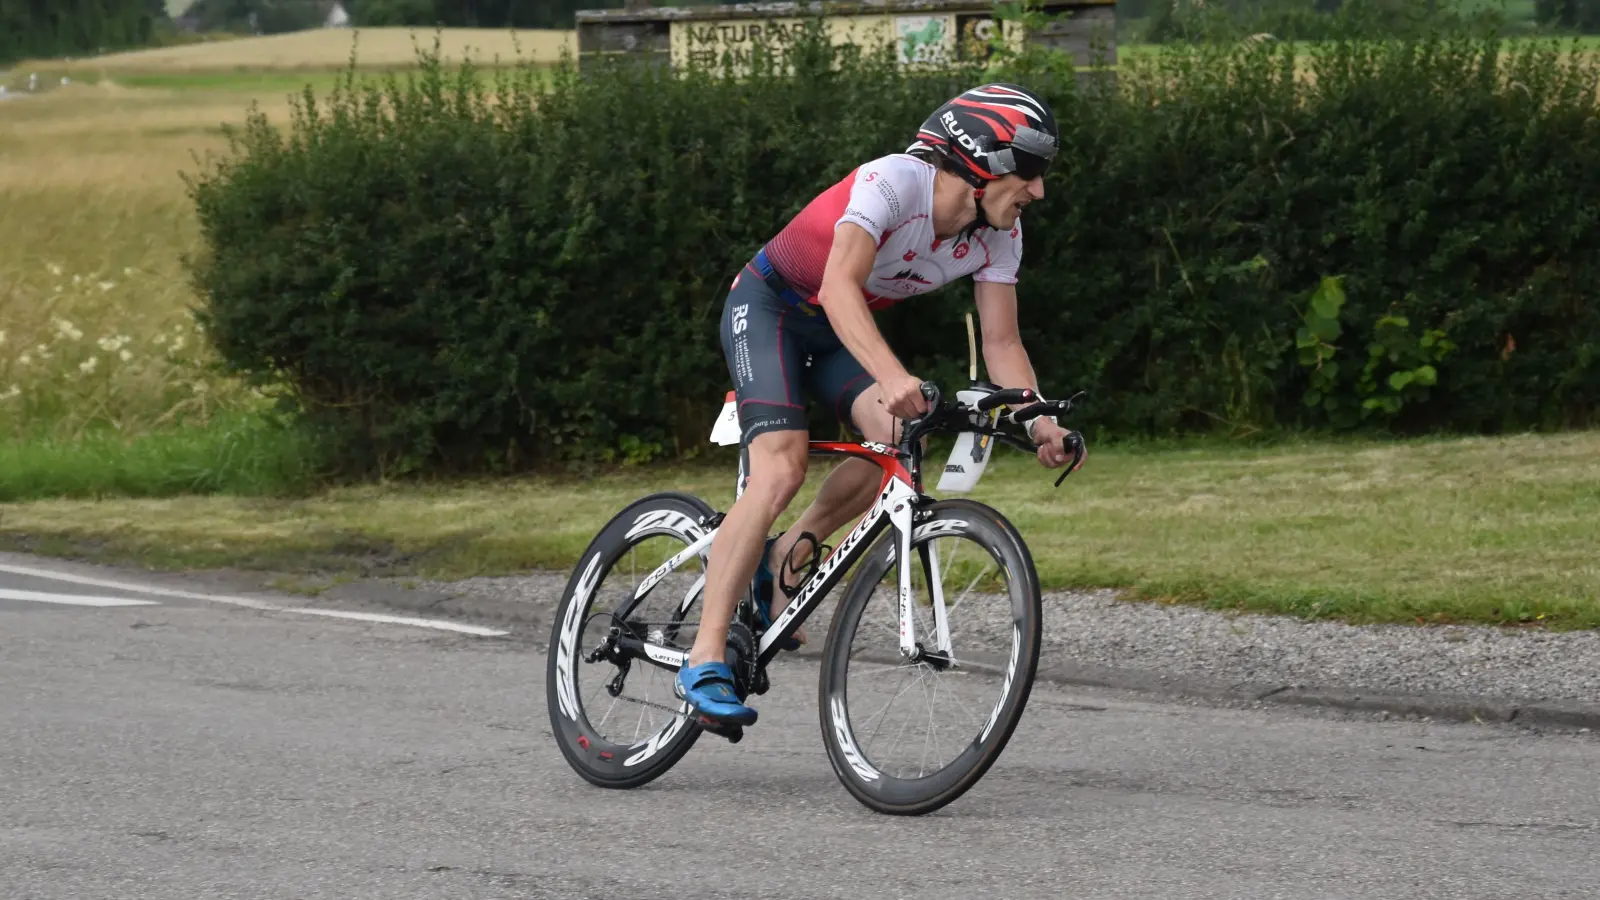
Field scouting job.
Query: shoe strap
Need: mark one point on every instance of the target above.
(707, 673)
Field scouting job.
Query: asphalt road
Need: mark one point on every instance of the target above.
(189, 748)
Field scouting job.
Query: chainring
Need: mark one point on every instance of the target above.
(743, 655)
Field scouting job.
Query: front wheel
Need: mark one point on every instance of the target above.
(887, 738)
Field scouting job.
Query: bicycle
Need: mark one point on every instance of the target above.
(914, 522)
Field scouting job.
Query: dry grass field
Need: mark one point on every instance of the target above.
(329, 48)
(94, 219)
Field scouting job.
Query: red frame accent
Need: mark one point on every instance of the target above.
(890, 463)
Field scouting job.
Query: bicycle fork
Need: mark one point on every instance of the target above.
(901, 515)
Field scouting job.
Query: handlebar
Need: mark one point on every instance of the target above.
(1007, 397)
(957, 416)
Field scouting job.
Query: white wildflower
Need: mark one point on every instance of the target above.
(67, 329)
(177, 343)
(126, 355)
(127, 271)
(77, 279)
(199, 387)
(159, 339)
(44, 352)
(2, 336)
(107, 285)
(25, 359)
(54, 269)
(12, 391)
(89, 365)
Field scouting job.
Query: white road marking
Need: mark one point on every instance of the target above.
(247, 602)
(400, 620)
(71, 599)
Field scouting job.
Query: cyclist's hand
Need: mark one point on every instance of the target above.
(903, 396)
(1052, 441)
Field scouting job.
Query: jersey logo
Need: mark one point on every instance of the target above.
(908, 275)
(870, 176)
(910, 255)
(962, 249)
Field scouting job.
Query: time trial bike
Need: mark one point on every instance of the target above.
(960, 623)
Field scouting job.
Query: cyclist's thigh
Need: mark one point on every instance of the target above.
(764, 357)
(839, 382)
(876, 424)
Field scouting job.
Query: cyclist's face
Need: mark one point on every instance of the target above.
(1005, 198)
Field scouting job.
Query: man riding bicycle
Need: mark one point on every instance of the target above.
(897, 226)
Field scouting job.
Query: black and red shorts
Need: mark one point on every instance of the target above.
(779, 353)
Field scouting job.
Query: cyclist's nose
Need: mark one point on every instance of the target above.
(1036, 188)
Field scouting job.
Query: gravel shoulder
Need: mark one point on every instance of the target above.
(1462, 672)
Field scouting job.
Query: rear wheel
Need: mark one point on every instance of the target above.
(910, 736)
(616, 719)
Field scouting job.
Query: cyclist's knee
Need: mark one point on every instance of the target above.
(871, 417)
(777, 467)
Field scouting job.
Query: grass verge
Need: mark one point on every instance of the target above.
(1492, 530)
(232, 454)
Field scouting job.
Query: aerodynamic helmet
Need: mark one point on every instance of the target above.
(992, 130)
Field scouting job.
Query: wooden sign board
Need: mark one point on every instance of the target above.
(922, 32)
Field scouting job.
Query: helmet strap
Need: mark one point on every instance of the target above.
(981, 221)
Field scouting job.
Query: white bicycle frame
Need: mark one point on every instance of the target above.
(893, 508)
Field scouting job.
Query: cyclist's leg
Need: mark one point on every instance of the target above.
(848, 491)
(765, 360)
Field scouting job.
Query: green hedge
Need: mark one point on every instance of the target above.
(458, 272)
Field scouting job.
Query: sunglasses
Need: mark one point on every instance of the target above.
(1029, 155)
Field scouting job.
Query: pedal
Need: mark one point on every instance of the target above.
(734, 733)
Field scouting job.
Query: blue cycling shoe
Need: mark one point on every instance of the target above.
(762, 589)
(708, 688)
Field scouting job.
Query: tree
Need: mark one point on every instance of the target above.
(74, 27)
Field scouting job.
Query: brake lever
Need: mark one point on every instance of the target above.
(1078, 453)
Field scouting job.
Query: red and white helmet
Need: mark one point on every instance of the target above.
(993, 130)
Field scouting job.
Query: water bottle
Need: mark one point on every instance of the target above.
(972, 451)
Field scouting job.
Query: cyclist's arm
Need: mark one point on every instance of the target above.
(1008, 364)
(1003, 354)
(849, 265)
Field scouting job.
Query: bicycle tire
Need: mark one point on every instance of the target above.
(872, 787)
(602, 762)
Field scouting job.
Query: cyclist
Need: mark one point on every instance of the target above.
(895, 227)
